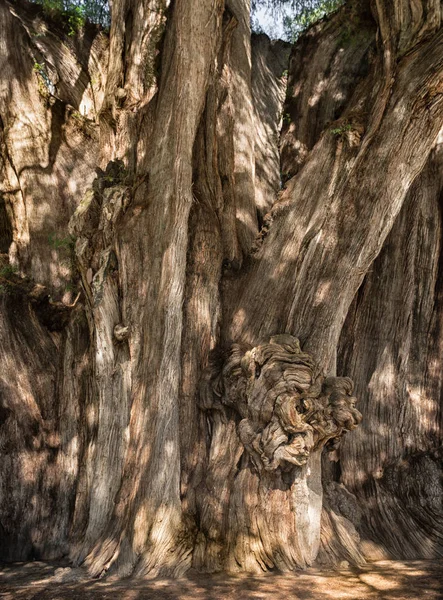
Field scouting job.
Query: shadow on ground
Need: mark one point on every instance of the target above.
(393, 580)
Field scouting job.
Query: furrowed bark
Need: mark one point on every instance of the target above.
(321, 234)
(391, 341)
(216, 196)
(146, 530)
(46, 158)
(243, 124)
(269, 82)
(329, 225)
(159, 419)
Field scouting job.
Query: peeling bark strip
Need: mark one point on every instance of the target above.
(135, 171)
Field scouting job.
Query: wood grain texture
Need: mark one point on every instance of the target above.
(158, 146)
(391, 343)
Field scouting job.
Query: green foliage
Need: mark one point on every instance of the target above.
(76, 20)
(7, 273)
(7, 270)
(39, 67)
(295, 24)
(339, 131)
(96, 11)
(61, 243)
(73, 14)
(67, 12)
(297, 15)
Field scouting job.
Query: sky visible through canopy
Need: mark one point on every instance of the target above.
(287, 19)
(280, 19)
(270, 21)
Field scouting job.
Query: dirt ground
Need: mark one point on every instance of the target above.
(412, 580)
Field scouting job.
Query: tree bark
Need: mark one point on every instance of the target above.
(327, 228)
(399, 305)
(157, 411)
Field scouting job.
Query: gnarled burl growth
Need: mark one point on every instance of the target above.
(288, 409)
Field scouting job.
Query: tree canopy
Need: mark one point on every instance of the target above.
(74, 13)
(296, 15)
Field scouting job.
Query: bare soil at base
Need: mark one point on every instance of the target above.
(396, 580)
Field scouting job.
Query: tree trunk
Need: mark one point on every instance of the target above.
(396, 328)
(157, 410)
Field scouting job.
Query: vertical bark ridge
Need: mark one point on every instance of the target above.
(269, 81)
(146, 530)
(391, 345)
(243, 125)
(47, 157)
(210, 243)
(137, 30)
(212, 489)
(322, 220)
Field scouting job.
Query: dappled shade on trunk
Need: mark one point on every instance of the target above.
(177, 333)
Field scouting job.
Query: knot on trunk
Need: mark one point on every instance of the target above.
(286, 406)
(121, 332)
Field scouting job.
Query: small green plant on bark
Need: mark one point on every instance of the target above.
(286, 118)
(340, 131)
(57, 243)
(38, 67)
(46, 88)
(6, 274)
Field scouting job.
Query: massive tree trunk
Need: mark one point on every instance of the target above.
(157, 411)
